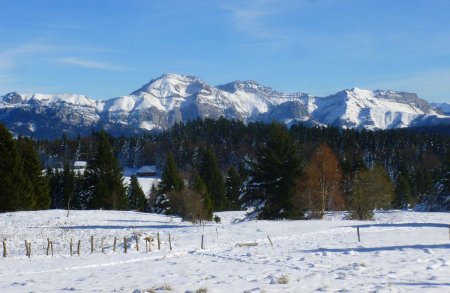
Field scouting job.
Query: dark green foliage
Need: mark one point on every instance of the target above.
(200, 187)
(274, 174)
(55, 184)
(136, 197)
(103, 179)
(233, 143)
(170, 177)
(68, 186)
(403, 194)
(171, 181)
(15, 187)
(211, 174)
(233, 186)
(40, 194)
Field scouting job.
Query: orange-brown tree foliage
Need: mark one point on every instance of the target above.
(320, 189)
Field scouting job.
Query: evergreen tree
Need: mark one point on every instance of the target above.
(200, 187)
(136, 197)
(274, 174)
(68, 187)
(212, 176)
(171, 181)
(233, 185)
(40, 194)
(372, 189)
(103, 179)
(55, 185)
(403, 194)
(78, 199)
(15, 187)
(170, 177)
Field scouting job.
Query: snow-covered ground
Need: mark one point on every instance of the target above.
(399, 252)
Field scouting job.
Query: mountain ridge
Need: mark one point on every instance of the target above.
(172, 98)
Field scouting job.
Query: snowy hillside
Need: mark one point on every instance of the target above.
(399, 252)
(172, 98)
(442, 107)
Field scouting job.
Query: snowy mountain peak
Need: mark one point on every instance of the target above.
(12, 98)
(172, 98)
(171, 84)
(443, 108)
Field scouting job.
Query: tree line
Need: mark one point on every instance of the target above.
(214, 165)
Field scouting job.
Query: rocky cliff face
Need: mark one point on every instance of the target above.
(173, 98)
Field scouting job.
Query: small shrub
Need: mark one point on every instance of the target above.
(283, 280)
(201, 290)
(167, 287)
(217, 219)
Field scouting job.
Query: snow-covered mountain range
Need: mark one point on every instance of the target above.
(172, 98)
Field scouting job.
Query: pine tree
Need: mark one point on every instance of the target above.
(68, 187)
(274, 174)
(103, 179)
(55, 185)
(212, 176)
(170, 177)
(233, 185)
(403, 195)
(200, 187)
(171, 181)
(40, 194)
(136, 197)
(15, 188)
(372, 189)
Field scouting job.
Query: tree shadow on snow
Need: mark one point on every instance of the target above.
(422, 284)
(406, 225)
(92, 227)
(381, 248)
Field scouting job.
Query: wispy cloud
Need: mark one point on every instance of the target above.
(251, 16)
(88, 63)
(9, 58)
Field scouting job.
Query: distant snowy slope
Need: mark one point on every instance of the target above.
(173, 98)
(442, 107)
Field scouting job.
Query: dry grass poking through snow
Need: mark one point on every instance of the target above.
(283, 280)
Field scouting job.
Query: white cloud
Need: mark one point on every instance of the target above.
(88, 63)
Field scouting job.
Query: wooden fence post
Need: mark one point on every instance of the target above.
(4, 248)
(357, 231)
(137, 242)
(159, 242)
(51, 247)
(202, 246)
(125, 243)
(92, 244)
(115, 242)
(148, 243)
(48, 245)
(26, 247)
(269, 240)
(170, 242)
(29, 250)
(71, 246)
(79, 247)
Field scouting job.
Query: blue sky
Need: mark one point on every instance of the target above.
(109, 48)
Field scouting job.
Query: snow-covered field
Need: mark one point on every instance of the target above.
(398, 252)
